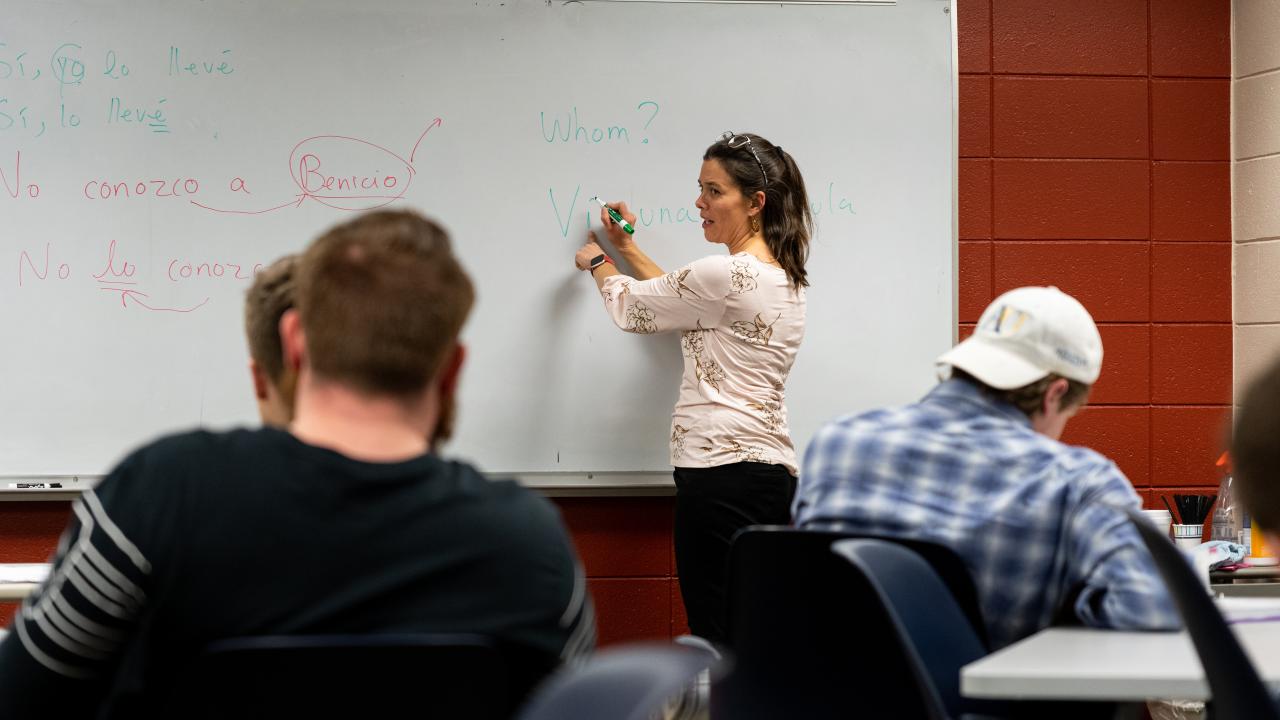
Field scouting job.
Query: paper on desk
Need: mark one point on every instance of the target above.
(23, 572)
(1249, 609)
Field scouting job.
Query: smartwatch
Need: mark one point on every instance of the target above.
(597, 261)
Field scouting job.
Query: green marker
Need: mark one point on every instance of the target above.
(616, 216)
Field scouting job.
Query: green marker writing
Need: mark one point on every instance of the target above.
(617, 217)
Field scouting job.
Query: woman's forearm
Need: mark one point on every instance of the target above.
(643, 267)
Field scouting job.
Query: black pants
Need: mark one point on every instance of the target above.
(711, 505)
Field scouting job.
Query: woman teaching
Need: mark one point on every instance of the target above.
(741, 316)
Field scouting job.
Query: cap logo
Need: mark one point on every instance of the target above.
(1071, 358)
(1006, 322)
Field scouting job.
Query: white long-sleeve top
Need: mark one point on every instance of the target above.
(741, 323)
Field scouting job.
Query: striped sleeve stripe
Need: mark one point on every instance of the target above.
(68, 627)
(105, 588)
(583, 637)
(64, 545)
(72, 630)
(82, 622)
(579, 615)
(113, 532)
(114, 576)
(44, 659)
(80, 618)
(90, 593)
(44, 621)
(575, 598)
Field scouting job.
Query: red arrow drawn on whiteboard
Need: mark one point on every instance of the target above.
(127, 294)
(295, 203)
(434, 124)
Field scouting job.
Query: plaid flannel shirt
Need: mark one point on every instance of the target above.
(1038, 523)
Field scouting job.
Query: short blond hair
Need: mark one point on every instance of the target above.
(270, 295)
(1030, 397)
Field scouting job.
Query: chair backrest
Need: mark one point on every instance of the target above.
(623, 683)
(934, 634)
(806, 638)
(792, 545)
(1237, 690)
(344, 676)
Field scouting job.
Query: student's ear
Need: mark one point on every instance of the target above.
(1053, 396)
(451, 370)
(259, 379)
(446, 387)
(293, 339)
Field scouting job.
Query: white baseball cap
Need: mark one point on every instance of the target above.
(1026, 334)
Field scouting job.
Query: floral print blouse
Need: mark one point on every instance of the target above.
(741, 324)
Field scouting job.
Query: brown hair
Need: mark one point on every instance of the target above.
(1030, 398)
(1255, 450)
(787, 220)
(267, 299)
(382, 300)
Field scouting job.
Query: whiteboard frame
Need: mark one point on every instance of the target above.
(626, 484)
(750, 2)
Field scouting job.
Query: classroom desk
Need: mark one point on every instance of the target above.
(1247, 589)
(18, 580)
(1107, 665)
(11, 592)
(1247, 582)
(1261, 574)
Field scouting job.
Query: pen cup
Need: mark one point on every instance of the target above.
(1162, 519)
(1188, 536)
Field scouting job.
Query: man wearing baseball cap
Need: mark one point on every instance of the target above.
(977, 465)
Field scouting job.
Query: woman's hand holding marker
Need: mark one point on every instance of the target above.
(618, 233)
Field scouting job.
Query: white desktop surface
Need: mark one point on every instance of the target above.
(11, 592)
(1086, 664)
(18, 580)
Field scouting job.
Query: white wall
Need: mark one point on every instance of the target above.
(1255, 196)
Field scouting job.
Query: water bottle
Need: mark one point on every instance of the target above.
(1227, 522)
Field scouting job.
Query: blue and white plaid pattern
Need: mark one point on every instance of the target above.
(1038, 523)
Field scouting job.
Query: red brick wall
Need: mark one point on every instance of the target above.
(29, 533)
(1094, 143)
(625, 546)
(1094, 146)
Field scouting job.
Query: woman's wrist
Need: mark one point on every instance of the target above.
(603, 272)
(598, 262)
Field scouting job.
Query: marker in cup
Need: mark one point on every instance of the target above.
(617, 217)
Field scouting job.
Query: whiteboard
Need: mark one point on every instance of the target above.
(155, 153)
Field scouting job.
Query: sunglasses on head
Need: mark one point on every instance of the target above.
(736, 141)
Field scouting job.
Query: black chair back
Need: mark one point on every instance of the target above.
(806, 637)
(621, 683)
(932, 631)
(789, 542)
(345, 676)
(1237, 690)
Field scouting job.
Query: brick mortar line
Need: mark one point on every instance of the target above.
(1260, 73)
